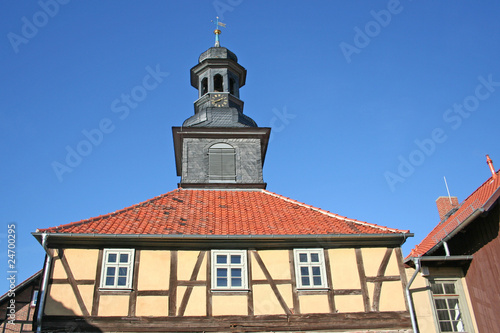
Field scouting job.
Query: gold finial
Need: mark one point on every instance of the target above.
(217, 31)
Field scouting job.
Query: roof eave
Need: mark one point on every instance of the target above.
(214, 241)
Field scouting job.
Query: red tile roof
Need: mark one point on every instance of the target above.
(482, 197)
(221, 212)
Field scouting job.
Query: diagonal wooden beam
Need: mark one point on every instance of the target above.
(362, 279)
(271, 283)
(73, 284)
(97, 293)
(189, 290)
(378, 284)
(402, 272)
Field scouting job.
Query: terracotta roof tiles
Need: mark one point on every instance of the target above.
(221, 212)
(481, 198)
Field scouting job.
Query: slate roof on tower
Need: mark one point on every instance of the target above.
(222, 212)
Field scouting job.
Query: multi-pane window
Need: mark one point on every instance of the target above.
(447, 306)
(310, 268)
(117, 268)
(229, 269)
(222, 165)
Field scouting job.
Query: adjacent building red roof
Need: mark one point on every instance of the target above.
(221, 212)
(481, 198)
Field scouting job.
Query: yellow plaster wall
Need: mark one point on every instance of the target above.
(392, 296)
(152, 306)
(154, 270)
(113, 305)
(314, 304)
(372, 258)
(83, 263)
(265, 301)
(196, 305)
(277, 263)
(344, 269)
(421, 302)
(392, 266)
(187, 261)
(229, 305)
(349, 303)
(62, 301)
(58, 271)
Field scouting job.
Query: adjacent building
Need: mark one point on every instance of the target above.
(457, 266)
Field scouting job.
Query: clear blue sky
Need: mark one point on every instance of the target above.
(371, 104)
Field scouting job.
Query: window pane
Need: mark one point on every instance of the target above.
(235, 259)
(221, 259)
(110, 280)
(305, 281)
(314, 257)
(458, 326)
(304, 271)
(440, 304)
(221, 282)
(112, 257)
(443, 315)
(437, 289)
(236, 282)
(124, 257)
(221, 272)
(316, 270)
(303, 257)
(449, 288)
(122, 281)
(122, 271)
(317, 280)
(235, 272)
(110, 271)
(445, 327)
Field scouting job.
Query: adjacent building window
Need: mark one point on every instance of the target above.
(221, 160)
(34, 298)
(117, 268)
(229, 270)
(310, 268)
(448, 305)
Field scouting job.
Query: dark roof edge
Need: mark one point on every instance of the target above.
(22, 285)
(394, 239)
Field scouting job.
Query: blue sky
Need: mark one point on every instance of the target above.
(371, 103)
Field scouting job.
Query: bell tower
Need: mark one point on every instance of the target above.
(219, 146)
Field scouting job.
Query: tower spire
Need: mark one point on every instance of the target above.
(217, 31)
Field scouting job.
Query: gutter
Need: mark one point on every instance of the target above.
(45, 282)
(461, 226)
(408, 296)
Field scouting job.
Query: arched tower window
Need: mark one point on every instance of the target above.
(222, 165)
(204, 86)
(231, 86)
(218, 83)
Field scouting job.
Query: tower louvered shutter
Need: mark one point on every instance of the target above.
(222, 165)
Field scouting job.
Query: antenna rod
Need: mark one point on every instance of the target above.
(448, 190)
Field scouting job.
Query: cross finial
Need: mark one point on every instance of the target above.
(217, 31)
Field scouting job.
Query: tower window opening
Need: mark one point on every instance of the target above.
(231, 86)
(222, 163)
(204, 86)
(218, 83)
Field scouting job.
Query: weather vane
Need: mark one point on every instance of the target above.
(217, 31)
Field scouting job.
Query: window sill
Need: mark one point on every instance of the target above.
(222, 291)
(115, 290)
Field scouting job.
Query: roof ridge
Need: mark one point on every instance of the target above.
(328, 213)
(108, 215)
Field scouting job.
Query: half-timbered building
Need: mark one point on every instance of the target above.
(221, 253)
(454, 272)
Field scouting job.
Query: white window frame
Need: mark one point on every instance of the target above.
(117, 265)
(34, 298)
(309, 265)
(229, 266)
(459, 296)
